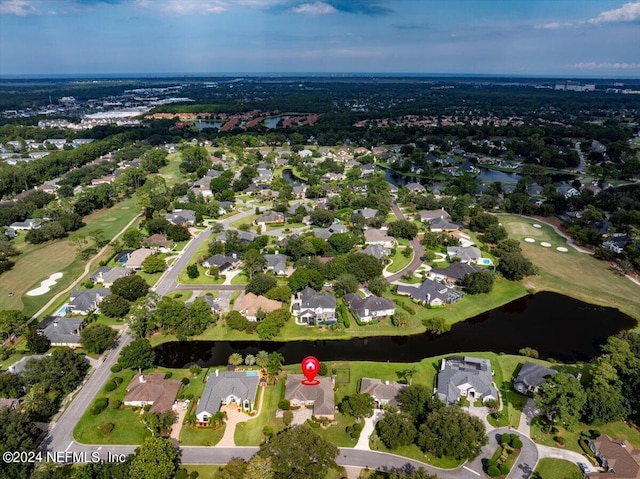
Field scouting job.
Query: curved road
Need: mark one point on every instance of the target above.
(418, 250)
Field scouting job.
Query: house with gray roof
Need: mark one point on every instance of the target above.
(428, 215)
(531, 376)
(325, 233)
(320, 397)
(314, 308)
(224, 388)
(243, 236)
(467, 254)
(377, 251)
(442, 224)
(61, 331)
(276, 263)
(270, 217)
(385, 393)
(264, 175)
(19, 366)
(534, 189)
(105, 275)
(453, 274)
(83, 301)
(431, 293)
(567, 191)
(26, 225)
(366, 213)
(181, 217)
(370, 308)
(222, 261)
(414, 187)
(467, 377)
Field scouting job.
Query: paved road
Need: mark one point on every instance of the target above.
(208, 287)
(418, 250)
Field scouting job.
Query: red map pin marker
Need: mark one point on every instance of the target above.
(310, 367)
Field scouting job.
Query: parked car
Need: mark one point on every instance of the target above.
(584, 467)
(185, 405)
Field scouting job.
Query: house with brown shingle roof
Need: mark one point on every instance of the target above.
(619, 459)
(137, 257)
(159, 241)
(385, 393)
(320, 396)
(250, 304)
(152, 389)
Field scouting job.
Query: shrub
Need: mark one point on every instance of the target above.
(147, 407)
(115, 404)
(490, 463)
(357, 427)
(504, 469)
(530, 352)
(284, 404)
(505, 439)
(110, 386)
(168, 374)
(516, 443)
(117, 379)
(192, 271)
(560, 440)
(324, 369)
(106, 428)
(287, 418)
(99, 405)
(116, 368)
(185, 381)
(493, 471)
(194, 369)
(267, 431)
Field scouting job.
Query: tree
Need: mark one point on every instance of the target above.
(137, 355)
(132, 238)
(561, 398)
(250, 360)
(7, 250)
(11, 386)
(235, 359)
(12, 322)
(451, 432)
(159, 423)
(62, 371)
(378, 285)
(37, 343)
(478, 282)
(153, 264)
(302, 277)
(18, 432)
(253, 262)
(357, 405)
(156, 458)
(417, 400)
(114, 306)
(279, 293)
(342, 242)
(96, 338)
(274, 365)
(130, 287)
(259, 467)
(514, 266)
(345, 283)
(235, 320)
(299, 453)
(261, 283)
(192, 271)
(396, 429)
(402, 229)
(262, 359)
(322, 218)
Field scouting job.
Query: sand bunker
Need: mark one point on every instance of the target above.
(45, 285)
(545, 244)
(536, 225)
(530, 240)
(562, 249)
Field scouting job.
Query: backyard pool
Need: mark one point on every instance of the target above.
(62, 311)
(485, 262)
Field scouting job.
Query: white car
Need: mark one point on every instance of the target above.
(584, 467)
(185, 405)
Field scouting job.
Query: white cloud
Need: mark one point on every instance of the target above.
(187, 7)
(17, 7)
(629, 12)
(600, 66)
(553, 26)
(315, 8)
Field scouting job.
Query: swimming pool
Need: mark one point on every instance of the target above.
(251, 373)
(62, 311)
(485, 262)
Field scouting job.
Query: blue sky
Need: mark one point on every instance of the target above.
(573, 38)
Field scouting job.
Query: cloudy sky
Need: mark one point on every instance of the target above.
(573, 38)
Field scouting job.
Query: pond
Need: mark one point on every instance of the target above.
(398, 179)
(557, 326)
(272, 122)
(487, 174)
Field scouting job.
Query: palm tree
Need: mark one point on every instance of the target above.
(250, 360)
(235, 359)
(262, 358)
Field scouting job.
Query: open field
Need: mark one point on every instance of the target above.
(38, 262)
(574, 274)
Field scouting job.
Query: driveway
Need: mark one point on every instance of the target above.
(557, 453)
(233, 418)
(528, 413)
(367, 430)
(177, 426)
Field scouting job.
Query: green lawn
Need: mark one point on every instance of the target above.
(399, 260)
(201, 252)
(557, 469)
(200, 436)
(37, 262)
(336, 433)
(240, 278)
(573, 273)
(250, 433)
(171, 173)
(128, 427)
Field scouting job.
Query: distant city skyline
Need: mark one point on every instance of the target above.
(557, 38)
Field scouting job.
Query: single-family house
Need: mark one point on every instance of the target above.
(222, 261)
(531, 376)
(26, 225)
(270, 217)
(224, 388)
(181, 217)
(438, 225)
(428, 215)
(431, 293)
(617, 243)
(19, 366)
(159, 242)
(377, 251)
(250, 304)
(83, 301)
(123, 256)
(567, 191)
(379, 237)
(137, 257)
(385, 393)
(243, 236)
(370, 308)
(276, 263)
(213, 303)
(467, 254)
(320, 397)
(366, 213)
(617, 457)
(414, 187)
(467, 377)
(367, 170)
(453, 274)
(299, 190)
(534, 189)
(264, 175)
(9, 232)
(152, 389)
(61, 331)
(105, 275)
(325, 233)
(314, 308)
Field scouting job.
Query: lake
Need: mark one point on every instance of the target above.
(557, 326)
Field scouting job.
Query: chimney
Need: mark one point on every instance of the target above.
(141, 379)
(217, 372)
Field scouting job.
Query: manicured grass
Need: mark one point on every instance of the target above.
(399, 260)
(247, 220)
(128, 427)
(200, 436)
(336, 433)
(171, 173)
(250, 433)
(38, 262)
(201, 252)
(150, 278)
(557, 469)
(412, 451)
(574, 274)
(240, 278)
